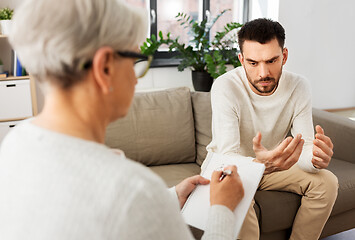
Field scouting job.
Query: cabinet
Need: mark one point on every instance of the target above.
(17, 100)
(5, 127)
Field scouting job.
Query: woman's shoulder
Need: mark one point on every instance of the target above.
(129, 173)
(70, 152)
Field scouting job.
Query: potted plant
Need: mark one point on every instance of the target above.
(207, 57)
(5, 20)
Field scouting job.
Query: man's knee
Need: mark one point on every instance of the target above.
(326, 185)
(330, 179)
(331, 183)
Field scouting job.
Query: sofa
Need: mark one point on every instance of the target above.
(168, 132)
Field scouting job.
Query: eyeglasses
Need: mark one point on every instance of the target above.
(141, 65)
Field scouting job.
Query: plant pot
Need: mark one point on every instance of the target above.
(202, 81)
(5, 26)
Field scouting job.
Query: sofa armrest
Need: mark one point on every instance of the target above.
(342, 132)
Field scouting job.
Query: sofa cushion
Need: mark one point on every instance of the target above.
(159, 128)
(345, 171)
(201, 104)
(172, 174)
(341, 130)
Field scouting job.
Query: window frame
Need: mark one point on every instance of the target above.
(168, 59)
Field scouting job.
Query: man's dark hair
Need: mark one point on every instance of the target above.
(261, 30)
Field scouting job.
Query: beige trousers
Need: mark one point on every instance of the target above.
(319, 192)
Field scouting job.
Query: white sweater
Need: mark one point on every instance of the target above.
(54, 186)
(238, 114)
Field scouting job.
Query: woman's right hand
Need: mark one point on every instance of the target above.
(228, 191)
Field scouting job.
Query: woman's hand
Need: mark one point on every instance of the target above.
(227, 191)
(185, 188)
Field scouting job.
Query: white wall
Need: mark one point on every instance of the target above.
(10, 3)
(161, 78)
(320, 38)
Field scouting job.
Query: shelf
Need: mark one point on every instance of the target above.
(14, 78)
(13, 119)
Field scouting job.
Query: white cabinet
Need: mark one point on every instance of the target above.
(5, 127)
(17, 102)
(15, 99)
(17, 94)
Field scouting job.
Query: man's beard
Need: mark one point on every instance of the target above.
(268, 89)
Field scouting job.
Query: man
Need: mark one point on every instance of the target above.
(254, 107)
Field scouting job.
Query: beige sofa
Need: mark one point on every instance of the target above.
(168, 131)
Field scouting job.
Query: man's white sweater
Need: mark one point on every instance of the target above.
(238, 114)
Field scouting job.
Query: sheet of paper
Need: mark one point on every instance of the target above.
(196, 208)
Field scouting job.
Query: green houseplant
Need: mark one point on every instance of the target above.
(5, 20)
(207, 57)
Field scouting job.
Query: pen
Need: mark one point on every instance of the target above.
(225, 173)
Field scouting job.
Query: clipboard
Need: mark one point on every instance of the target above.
(196, 208)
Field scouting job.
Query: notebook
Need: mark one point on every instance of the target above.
(196, 208)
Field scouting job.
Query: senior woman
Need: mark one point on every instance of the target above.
(57, 178)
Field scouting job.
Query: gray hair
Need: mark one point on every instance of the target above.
(54, 39)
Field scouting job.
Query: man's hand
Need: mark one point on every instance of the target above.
(282, 157)
(228, 191)
(184, 188)
(322, 149)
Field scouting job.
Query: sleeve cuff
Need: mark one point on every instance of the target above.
(305, 160)
(220, 224)
(173, 193)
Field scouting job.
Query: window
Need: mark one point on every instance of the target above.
(264, 8)
(138, 3)
(235, 15)
(166, 22)
(163, 12)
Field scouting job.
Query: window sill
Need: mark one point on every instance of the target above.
(165, 62)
